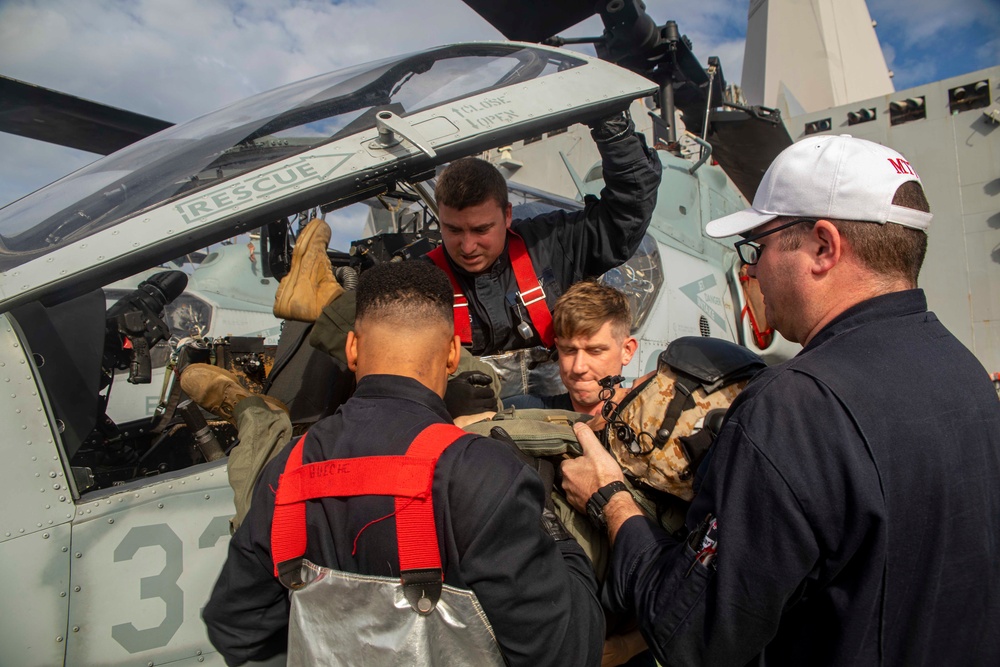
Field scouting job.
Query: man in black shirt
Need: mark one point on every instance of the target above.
(535, 586)
(850, 514)
(508, 273)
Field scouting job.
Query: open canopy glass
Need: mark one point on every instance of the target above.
(256, 132)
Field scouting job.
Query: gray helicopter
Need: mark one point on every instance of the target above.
(114, 533)
(116, 520)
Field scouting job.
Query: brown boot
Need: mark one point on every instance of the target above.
(218, 391)
(310, 283)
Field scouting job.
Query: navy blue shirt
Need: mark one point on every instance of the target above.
(539, 595)
(857, 493)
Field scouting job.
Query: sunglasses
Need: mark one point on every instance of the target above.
(749, 250)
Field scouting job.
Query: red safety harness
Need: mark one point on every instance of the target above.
(408, 478)
(530, 292)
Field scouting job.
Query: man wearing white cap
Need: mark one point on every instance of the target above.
(850, 514)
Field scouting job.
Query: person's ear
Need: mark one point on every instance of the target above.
(351, 351)
(826, 246)
(628, 350)
(509, 215)
(454, 353)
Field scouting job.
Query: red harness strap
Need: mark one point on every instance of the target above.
(409, 478)
(463, 318)
(530, 292)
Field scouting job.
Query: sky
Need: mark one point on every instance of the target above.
(179, 59)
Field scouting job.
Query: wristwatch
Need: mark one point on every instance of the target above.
(595, 506)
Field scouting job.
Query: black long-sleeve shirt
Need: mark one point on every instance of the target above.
(539, 595)
(857, 493)
(564, 246)
(567, 246)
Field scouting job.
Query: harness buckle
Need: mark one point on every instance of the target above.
(522, 295)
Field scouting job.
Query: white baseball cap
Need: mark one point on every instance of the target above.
(840, 178)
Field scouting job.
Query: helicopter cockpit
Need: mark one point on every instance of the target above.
(110, 358)
(170, 250)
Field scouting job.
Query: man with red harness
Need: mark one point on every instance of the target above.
(337, 504)
(507, 274)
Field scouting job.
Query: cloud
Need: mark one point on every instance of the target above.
(717, 28)
(929, 42)
(185, 58)
(347, 225)
(916, 21)
(29, 165)
(989, 51)
(889, 53)
(180, 59)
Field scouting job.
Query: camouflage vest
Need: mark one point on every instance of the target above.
(658, 432)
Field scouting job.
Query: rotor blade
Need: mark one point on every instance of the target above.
(530, 21)
(745, 146)
(48, 115)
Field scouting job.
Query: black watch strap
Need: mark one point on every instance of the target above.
(595, 506)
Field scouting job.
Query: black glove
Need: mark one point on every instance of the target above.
(470, 393)
(553, 526)
(612, 128)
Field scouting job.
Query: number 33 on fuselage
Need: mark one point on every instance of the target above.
(111, 537)
(119, 578)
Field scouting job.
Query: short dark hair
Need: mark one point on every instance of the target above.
(404, 292)
(891, 249)
(470, 182)
(586, 306)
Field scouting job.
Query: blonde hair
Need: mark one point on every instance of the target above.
(586, 306)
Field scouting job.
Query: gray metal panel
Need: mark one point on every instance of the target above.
(32, 476)
(984, 298)
(148, 558)
(34, 587)
(745, 147)
(679, 217)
